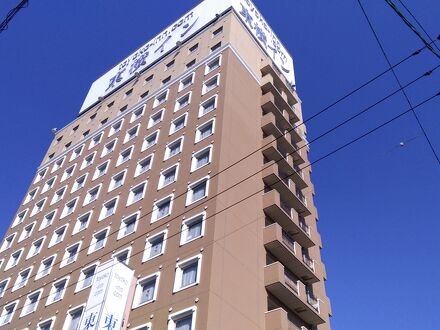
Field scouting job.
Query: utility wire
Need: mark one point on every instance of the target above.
(262, 190)
(376, 36)
(412, 27)
(11, 14)
(259, 171)
(419, 24)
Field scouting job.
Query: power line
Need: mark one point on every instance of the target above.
(419, 24)
(412, 27)
(12, 13)
(431, 146)
(276, 182)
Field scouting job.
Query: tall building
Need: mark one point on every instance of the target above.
(184, 163)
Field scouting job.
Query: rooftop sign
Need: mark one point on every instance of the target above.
(180, 31)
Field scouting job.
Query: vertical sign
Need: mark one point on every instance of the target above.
(108, 297)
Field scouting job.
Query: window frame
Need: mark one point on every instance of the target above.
(123, 225)
(131, 194)
(185, 228)
(162, 174)
(44, 222)
(205, 87)
(95, 140)
(77, 227)
(54, 235)
(92, 246)
(123, 159)
(145, 146)
(41, 268)
(158, 98)
(85, 163)
(15, 287)
(96, 174)
(190, 190)
(65, 212)
(173, 123)
(65, 258)
(194, 158)
(180, 266)
(138, 172)
(76, 186)
(24, 312)
(79, 285)
(3, 314)
(129, 136)
(147, 247)
(151, 122)
(114, 130)
(112, 186)
(154, 215)
(42, 239)
(178, 106)
(173, 318)
(209, 68)
(182, 85)
(204, 103)
(139, 287)
(137, 113)
(167, 154)
(102, 214)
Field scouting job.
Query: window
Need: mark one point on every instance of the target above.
(137, 193)
(7, 243)
(208, 106)
(14, 259)
(49, 184)
(193, 228)
(57, 291)
(47, 220)
(109, 147)
(144, 95)
(150, 140)
(27, 231)
(216, 47)
(144, 165)
(31, 303)
(108, 209)
(197, 191)
(183, 102)
(30, 196)
(96, 140)
(67, 145)
(178, 123)
(186, 82)
(117, 181)
(124, 156)
(98, 241)
(193, 48)
(58, 164)
(149, 78)
(22, 279)
(190, 64)
(19, 218)
(187, 273)
(131, 133)
(58, 195)
(58, 236)
(69, 208)
(79, 183)
(212, 65)
(137, 114)
(116, 127)
(45, 267)
(210, 84)
(35, 248)
(122, 109)
(8, 313)
(173, 148)
(103, 122)
(46, 325)
(128, 225)
(166, 80)
(86, 278)
(68, 173)
(76, 153)
(112, 103)
(128, 93)
(162, 208)
(155, 118)
(38, 207)
(3, 286)
(40, 175)
(143, 327)
(160, 99)
(70, 254)
(123, 256)
(205, 130)
(146, 290)
(100, 170)
(201, 158)
(88, 160)
(82, 222)
(73, 318)
(217, 32)
(154, 246)
(168, 176)
(183, 320)
(92, 195)
(169, 65)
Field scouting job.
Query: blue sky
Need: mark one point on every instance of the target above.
(377, 202)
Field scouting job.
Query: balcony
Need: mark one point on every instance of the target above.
(286, 250)
(276, 319)
(288, 219)
(292, 294)
(291, 194)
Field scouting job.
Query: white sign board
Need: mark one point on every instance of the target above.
(108, 297)
(182, 30)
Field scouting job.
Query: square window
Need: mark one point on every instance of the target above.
(88, 160)
(69, 208)
(161, 98)
(122, 109)
(162, 208)
(197, 191)
(35, 248)
(95, 140)
(128, 225)
(76, 153)
(70, 254)
(190, 64)
(216, 47)
(168, 176)
(212, 65)
(144, 95)
(205, 130)
(173, 148)
(116, 127)
(208, 106)
(57, 291)
(155, 118)
(123, 256)
(186, 82)
(210, 84)
(108, 148)
(169, 65)
(149, 78)
(22, 279)
(166, 80)
(48, 185)
(103, 122)
(98, 241)
(124, 156)
(73, 318)
(68, 173)
(150, 140)
(187, 273)
(3, 286)
(184, 320)
(67, 145)
(19, 218)
(58, 236)
(201, 158)
(108, 209)
(86, 133)
(27, 231)
(146, 290)
(193, 48)
(58, 164)
(131, 133)
(40, 175)
(14, 259)
(79, 183)
(7, 243)
(138, 113)
(217, 32)
(45, 267)
(30, 196)
(86, 278)
(58, 195)
(117, 181)
(128, 93)
(137, 193)
(193, 228)
(8, 313)
(154, 246)
(178, 123)
(46, 325)
(38, 207)
(183, 102)
(144, 165)
(100, 170)
(47, 220)
(82, 223)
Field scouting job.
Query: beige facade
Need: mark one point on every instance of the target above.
(193, 175)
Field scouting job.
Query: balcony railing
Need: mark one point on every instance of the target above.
(291, 281)
(305, 227)
(309, 262)
(286, 208)
(289, 242)
(313, 301)
(301, 196)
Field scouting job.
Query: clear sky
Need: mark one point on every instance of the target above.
(378, 203)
